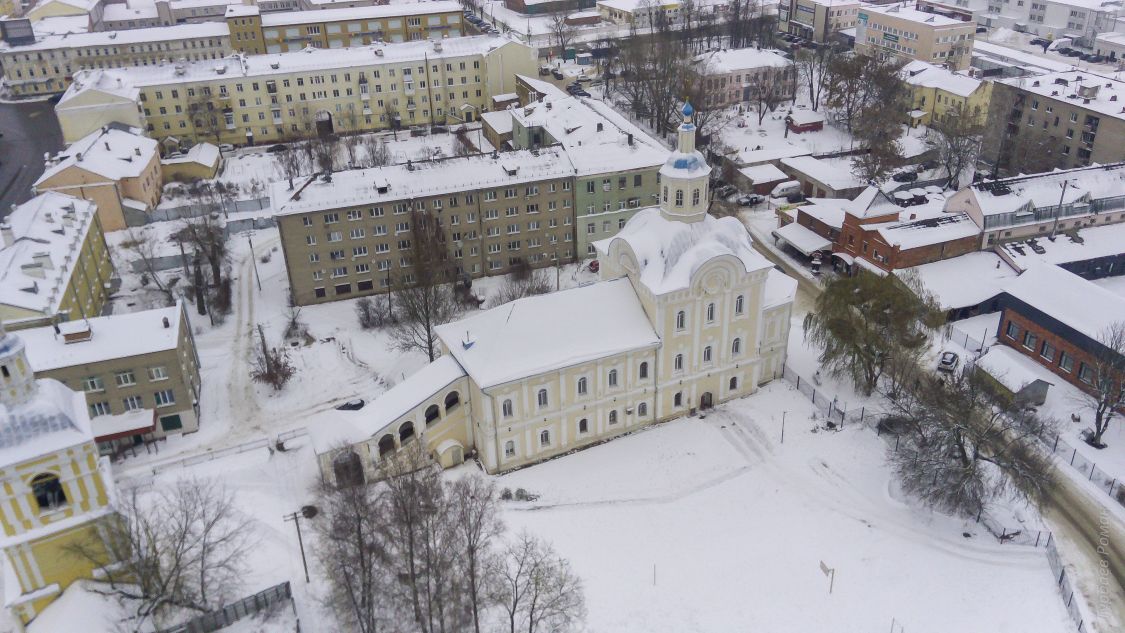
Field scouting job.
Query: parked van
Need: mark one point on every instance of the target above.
(787, 188)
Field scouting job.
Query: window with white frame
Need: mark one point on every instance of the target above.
(542, 397)
(582, 386)
(125, 378)
(165, 398)
(157, 373)
(544, 438)
(506, 408)
(613, 378)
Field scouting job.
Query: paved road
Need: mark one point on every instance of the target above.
(30, 130)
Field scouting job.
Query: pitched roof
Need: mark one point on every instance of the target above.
(113, 152)
(1072, 300)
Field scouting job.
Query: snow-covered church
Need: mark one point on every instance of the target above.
(686, 315)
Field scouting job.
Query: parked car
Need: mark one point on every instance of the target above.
(352, 405)
(948, 362)
(725, 191)
(557, 74)
(1097, 59)
(1039, 41)
(1070, 52)
(795, 197)
(750, 200)
(280, 147)
(226, 147)
(982, 29)
(905, 176)
(786, 188)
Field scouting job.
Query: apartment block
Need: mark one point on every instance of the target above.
(56, 263)
(1075, 116)
(905, 32)
(253, 99)
(126, 363)
(1082, 20)
(350, 235)
(732, 76)
(816, 20)
(938, 93)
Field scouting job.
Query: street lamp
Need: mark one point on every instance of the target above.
(306, 512)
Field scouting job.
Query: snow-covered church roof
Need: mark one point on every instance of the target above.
(53, 420)
(669, 251)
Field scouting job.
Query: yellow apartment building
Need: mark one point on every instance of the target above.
(902, 31)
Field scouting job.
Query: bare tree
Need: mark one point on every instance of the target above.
(846, 90)
(424, 292)
(355, 562)
(207, 115)
(536, 589)
(207, 236)
(536, 282)
(964, 443)
(146, 252)
(956, 141)
(371, 313)
(271, 365)
(185, 548)
(290, 164)
(813, 71)
(475, 514)
(562, 32)
(375, 151)
(1105, 387)
(394, 120)
(768, 88)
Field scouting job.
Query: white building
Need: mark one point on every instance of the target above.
(1079, 19)
(686, 315)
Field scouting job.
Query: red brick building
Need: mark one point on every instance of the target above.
(879, 235)
(1055, 318)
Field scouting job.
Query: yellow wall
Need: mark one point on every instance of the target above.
(938, 103)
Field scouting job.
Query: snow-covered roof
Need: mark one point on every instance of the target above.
(201, 153)
(761, 174)
(780, 289)
(918, 227)
(1011, 368)
(126, 37)
(398, 182)
(1072, 300)
(595, 136)
(871, 203)
(107, 427)
(669, 252)
(242, 10)
(349, 427)
(1091, 243)
(802, 238)
(48, 232)
(499, 120)
(306, 59)
(532, 336)
(803, 116)
(964, 281)
(831, 174)
(738, 60)
(828, 210)
(543, 88)
(1007, 195)
(106, 81)
(373, 12)
(631, 6)
(112, 152)
(903, 12)
(58, 25)
(1082, 88)
(123, 12)
(54, 419)
(1010, 57)
(924, 74)
(770, 153)
(113, 336)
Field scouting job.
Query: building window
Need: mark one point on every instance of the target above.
(739, 304)
(678, 363)
(542, 397)
(642, 409)
(509, 448)
(92, 383)
(694, 197)
(613, 378)
(48, 491)
(1012, 330)
(736, 347)
(681, 320)
(1066, 362)
(644, 370)
(582, 386)
(1085, 374)
(157, 373)
(679, 197)
(734, 383)
(507, 408)
(165, 398)
(544, 438)
(125, 378)
(1047, 351)
(613, 417)
(707, 354)
(99, 408)
(133, 403)
(1030, 340)
(710, 313)
(583, 426)
(678, 399)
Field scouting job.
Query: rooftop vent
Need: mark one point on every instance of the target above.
(468, 340)
(378, 52)
(275, 65)
(167, 324)
(221, 70)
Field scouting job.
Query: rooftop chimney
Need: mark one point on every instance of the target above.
(167, 323)
(137, 151)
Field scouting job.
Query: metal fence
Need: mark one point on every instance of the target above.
(829, 404)
(1062, 581)
(951, 333)
(231, 613)
(194, 210)
(1069, 455)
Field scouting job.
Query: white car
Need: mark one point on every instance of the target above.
(226, 147)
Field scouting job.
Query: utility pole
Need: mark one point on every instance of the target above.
(306, 512)
(255, 261)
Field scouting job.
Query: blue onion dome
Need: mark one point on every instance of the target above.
(688, 110)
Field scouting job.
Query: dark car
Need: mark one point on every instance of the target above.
(982, 29)
(1086, 56)
(750, 200)
(280, 147)
(1097, 59)
(905, 176)
(1038, 41)
(557, 74)
(1063, 50)
(1073, 53)
(352, 405)
(795, 197)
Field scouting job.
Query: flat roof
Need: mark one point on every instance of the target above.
(738, 59)
(536, 335)
(1093, 242)
(1079, 88)
(1068, 298)
(964, 281)
(113, 336)
(1007, 195)
(124, 37)
(373, 12)
(911, 14)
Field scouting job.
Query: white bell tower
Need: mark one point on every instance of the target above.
(17, 380)
(684, 178)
